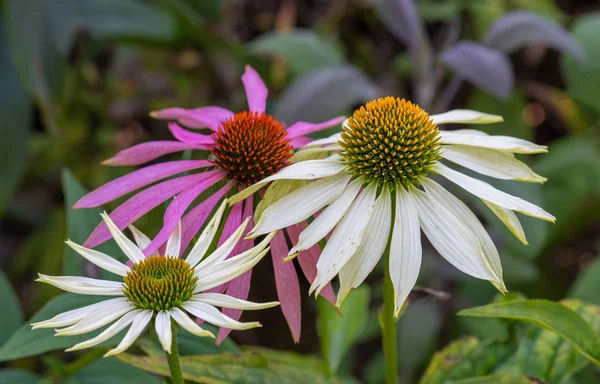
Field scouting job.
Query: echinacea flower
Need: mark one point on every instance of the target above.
(246, 147)
(164, 288)
(376, 188)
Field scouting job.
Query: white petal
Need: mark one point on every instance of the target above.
(316, 150)
(499, 143)
(509, 219)
(372, 246)
(96, 319)
(345, 239)
(188, 324)
(324, 223)
(83, 285)
(225, 249)
(140, 321)
(109, 332)
(206, 237)
(227, 273)
(100, 259)
(500, 165)
(214, 316)
(405, 248)
(486, 192)
(141, 239)
(304, 170)
(275, 191)
(225, 301)
(300, 204)
(464, 214)
(163, 330)
(127, 246)
(73, 316)
(451, 237)
(174, 243)
(465, 116)
(333, 139)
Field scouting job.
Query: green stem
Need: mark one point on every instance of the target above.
(173, 360)
(388, 325)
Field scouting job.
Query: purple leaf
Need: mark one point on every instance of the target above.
(519, 28)
(402, 19)
(482, 66)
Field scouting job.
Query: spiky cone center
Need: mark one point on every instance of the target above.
(390, 141)
(251, 146)
(159, 283)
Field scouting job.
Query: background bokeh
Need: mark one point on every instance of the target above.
(79, 77)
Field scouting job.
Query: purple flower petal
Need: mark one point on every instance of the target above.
(256, 90)
(195, 218)
(189, 137)
(177, 208)
(286, 282)
(141, 203)
(300, 141)
(145, 152)
(308, 260)
(303, 128)
(137, 179)
(210, 117)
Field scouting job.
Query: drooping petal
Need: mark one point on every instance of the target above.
(308, 259)
(486, 192)
(140, 321)
(405, 248)
(100, 259)
(463, 213)
(499, 143)
(371, 247)
(83, 285)
(186, 323)
(145, 152)
(162, 325)
(346, 238)
(141, 203)
(137, 179)
(306, 170)
(95, 320)
(213, 316)
(256, 90)
(128, 247)
(300, 141)
(465, 116)
(73, 316)
(178, 207)
(186, 136)
(141, 239)
(300, 204)
(302, 128)
(324, 223)
(226, 301)
(509, 219)
(210, 117)
(109, 332)
(500, 165)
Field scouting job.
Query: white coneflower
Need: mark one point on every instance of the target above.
(164, 288)
(377, 185)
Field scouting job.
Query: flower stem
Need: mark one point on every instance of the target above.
(173, 360)
(388, 324)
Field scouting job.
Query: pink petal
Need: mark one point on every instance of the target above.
(308, 260)
(240, 286)
(286, 282)
(300, 141)
(141, 203)
(177, 208)
(189, 137)
(145, 152)
(195, 218)
(303, 128)
(137, 179)
(256, 90)
(210, 117)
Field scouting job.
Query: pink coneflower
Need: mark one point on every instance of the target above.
(246, 147)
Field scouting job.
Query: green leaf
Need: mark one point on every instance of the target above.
(587, 285)
(303, 50)
(338, 331)
(15, 113)
(17, 376)
(553, 316)
(80, 224)
(498, 379)
(439, 10)
(113, 371)
(257, 366)
(27, 342)
(12, 316)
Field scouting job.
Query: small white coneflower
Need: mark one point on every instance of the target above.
(164, 288)
(375, 192)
